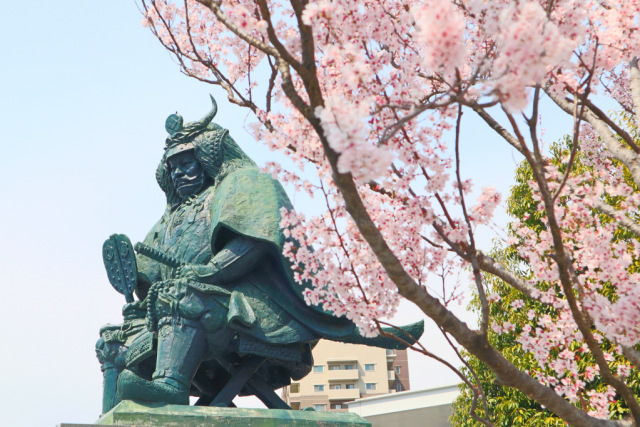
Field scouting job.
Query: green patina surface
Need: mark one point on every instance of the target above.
(129, 413)
(219, 313)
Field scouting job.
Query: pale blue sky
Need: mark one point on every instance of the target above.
(84, 93)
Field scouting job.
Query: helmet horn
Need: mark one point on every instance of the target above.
(204, 122)
(201, 124)
(179, 134)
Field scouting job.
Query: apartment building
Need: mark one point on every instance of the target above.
(345, 372)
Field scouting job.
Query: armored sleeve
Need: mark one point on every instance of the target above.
(238, 258)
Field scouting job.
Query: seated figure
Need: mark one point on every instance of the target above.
(218, 312)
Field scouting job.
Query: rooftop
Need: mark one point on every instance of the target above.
(408, 408)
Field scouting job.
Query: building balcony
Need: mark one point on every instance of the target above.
(391, 355)
(343, 359)
(294, 390)
(391, 376)
(344, 394)
(342, 375)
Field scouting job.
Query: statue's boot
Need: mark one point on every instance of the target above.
(181, 347)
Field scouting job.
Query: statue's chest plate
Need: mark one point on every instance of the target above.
(187, 231)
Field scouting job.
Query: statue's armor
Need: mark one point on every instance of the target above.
(194, 319)
(112, 352)
(236, 298)
(184, 234)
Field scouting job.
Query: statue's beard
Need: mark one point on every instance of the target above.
(187, 186)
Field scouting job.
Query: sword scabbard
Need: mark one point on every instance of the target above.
(156, 255)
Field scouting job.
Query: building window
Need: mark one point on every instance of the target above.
(334, 387)
(370, 367)
(334, 367)
(350, 386)
(295, 406)
(295, 388)
(371, 386)
(318, 388)
(318, 369)
(397, 370)
(348, 367)
(320, 407)
(336, 406)
(399, 387)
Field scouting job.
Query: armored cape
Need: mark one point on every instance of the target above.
(265, 307)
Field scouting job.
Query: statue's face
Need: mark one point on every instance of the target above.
(186, 173)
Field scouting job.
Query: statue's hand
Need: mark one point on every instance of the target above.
(193, 271)
(134, 311)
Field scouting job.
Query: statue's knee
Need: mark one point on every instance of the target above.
(100, 344)
(111, 353)
(100, 354)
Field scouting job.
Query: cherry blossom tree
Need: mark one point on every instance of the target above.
(509, 310)
(364, 93)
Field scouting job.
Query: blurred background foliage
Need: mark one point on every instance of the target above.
(509, 407)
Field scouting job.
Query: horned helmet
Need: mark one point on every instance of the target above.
(212, 145)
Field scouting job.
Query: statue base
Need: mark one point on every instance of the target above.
(147, 414)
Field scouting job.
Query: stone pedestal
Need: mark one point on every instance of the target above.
(144, 414)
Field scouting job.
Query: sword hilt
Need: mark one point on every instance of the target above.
(156, 255)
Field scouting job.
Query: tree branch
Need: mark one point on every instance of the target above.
(613, 125)
(617, 150)
(474, 388)
(635, 83)
(617, 216)
(484, 323)
(567, 278)
(473, 341)
(273, 38)
(632, 355)
(258, 44)
(493, 124)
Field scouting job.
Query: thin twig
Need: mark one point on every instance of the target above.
(484, 325)
(577, 119)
